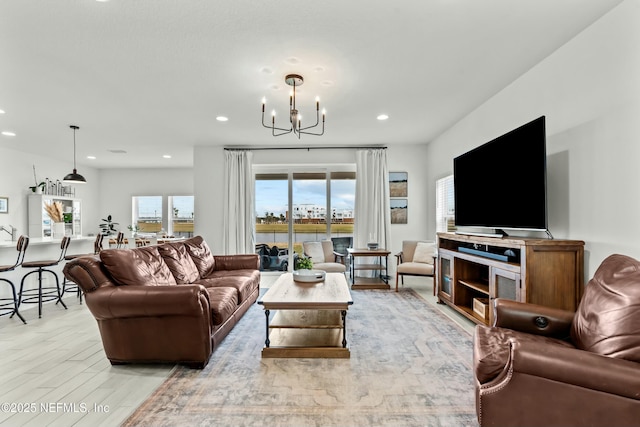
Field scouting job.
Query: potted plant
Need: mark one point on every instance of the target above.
(108, 227)
(39, 187)
(133, 229)
(304, 264)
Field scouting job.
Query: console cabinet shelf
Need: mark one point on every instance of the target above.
(474, 270)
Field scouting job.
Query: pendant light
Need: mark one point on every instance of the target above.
(74, 177)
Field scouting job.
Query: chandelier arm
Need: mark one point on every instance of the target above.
(315, 134)
(274, 127)
(273, 132)
(317, 122)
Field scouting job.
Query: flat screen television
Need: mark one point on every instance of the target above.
(502, 184)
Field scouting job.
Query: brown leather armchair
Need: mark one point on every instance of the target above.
(540, 366)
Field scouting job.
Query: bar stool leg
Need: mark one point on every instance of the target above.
(15, 302)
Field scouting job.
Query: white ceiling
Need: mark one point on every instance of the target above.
(150, 76)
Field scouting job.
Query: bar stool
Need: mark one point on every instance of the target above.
(121, 242)
(10, 305)
(97, 247)
(43, 294)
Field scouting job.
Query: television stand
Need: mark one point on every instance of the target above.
(474, 270)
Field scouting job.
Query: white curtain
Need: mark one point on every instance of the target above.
(239, 212)
(372, 214)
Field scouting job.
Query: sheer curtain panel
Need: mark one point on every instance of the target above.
(372, 215)
(239, 212)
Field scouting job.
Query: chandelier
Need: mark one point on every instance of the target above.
(294, 116)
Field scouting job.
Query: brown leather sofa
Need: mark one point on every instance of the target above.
(170, 303)
(539, 366)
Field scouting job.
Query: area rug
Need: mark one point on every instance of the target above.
(410, 366)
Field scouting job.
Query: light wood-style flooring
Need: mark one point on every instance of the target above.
(53, 370)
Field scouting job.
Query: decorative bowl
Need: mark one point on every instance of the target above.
(304, 275)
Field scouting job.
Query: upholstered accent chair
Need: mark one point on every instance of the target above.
(324, 257)
(417, 258)
(541, 366)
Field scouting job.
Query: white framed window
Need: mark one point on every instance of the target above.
(445, 205)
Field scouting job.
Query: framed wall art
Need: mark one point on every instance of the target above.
(398, 184)
(398, 211)
(4, 205)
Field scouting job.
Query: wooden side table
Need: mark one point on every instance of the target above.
(381, 281)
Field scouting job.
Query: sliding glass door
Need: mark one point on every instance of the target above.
(296, 206)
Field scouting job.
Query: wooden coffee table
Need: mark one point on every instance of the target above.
(310, 320)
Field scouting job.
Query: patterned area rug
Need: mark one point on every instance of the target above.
(410, 366)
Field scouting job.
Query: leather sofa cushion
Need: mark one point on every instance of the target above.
(180, 263)
(244, 286)
(201, 255)
(491, 349)
(607, 321)
(224, 302)
(140, 266)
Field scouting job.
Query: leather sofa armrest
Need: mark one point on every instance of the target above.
(115, 302)
(532, 318)
(577, 367)
(237, 262)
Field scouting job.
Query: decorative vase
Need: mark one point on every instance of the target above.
(58, 230)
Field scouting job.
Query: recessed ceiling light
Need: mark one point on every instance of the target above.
(222, 118)
(1, 111)
(7, 133)
(166, 156)
(382, 117)
(91, 157)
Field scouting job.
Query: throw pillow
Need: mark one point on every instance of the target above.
(607, 321)
(424, 252)
(314, 251)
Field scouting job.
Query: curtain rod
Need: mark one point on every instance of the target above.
(304, 148)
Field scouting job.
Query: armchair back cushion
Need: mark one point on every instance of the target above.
(137, 266)
(608, 319)
(315, 251)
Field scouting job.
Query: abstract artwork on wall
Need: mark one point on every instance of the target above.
(398, 211)
(398, 184)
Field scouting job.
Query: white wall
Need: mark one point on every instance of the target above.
(118, 186)
(589, 91)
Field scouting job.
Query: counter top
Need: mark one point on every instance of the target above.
(43, 241)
